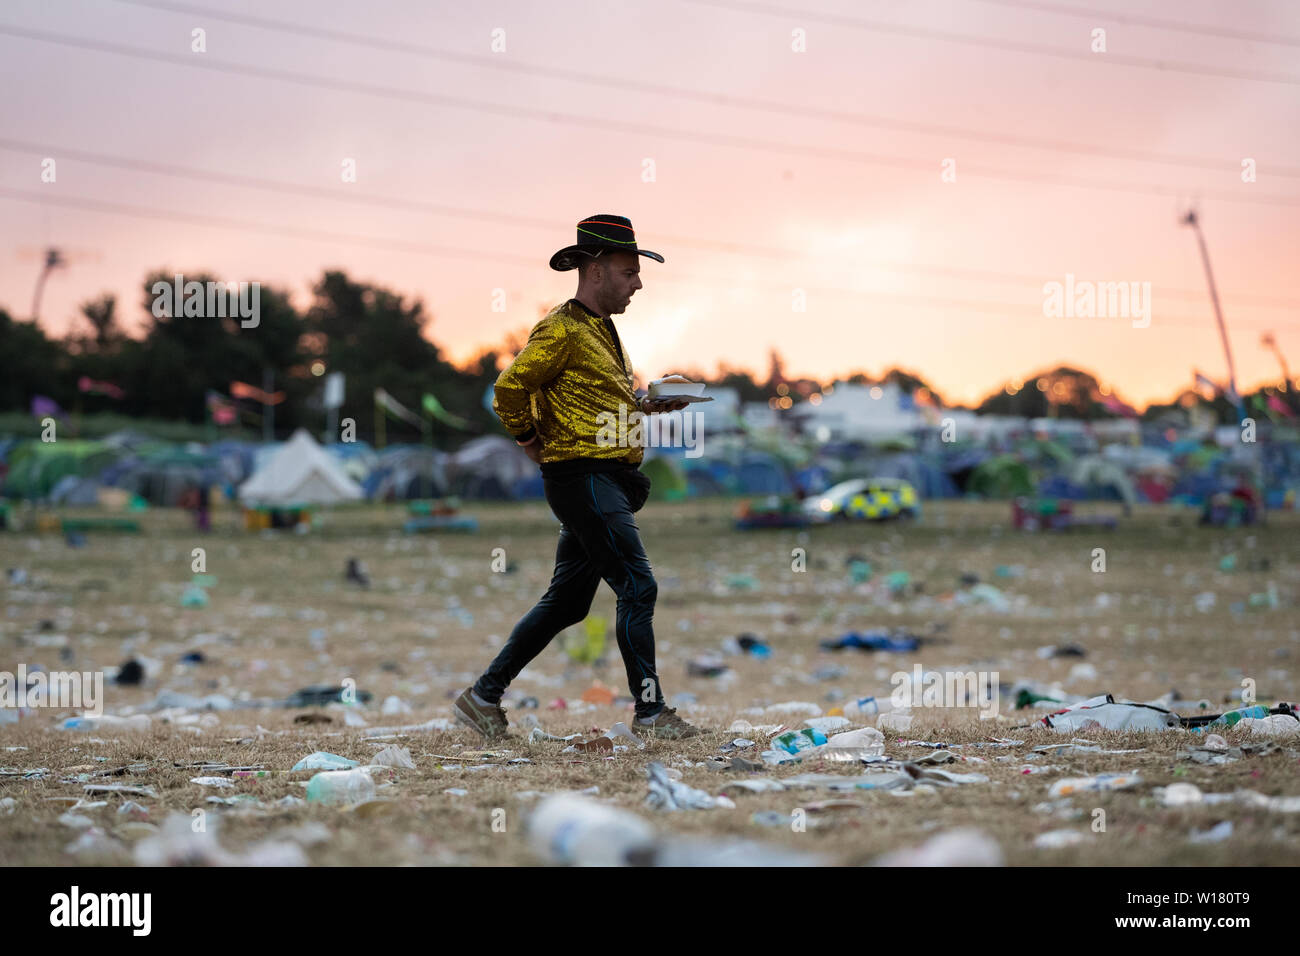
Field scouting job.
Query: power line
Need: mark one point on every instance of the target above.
(230, 222)
(800, 111)
(606, 126)
(244, 225)
(1219, 33)
(441, 209)
(1015, 46)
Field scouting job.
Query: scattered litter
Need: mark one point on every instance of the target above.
(945, 778)
(593, 746)
(620, 731)
(1274, 725)
(572, 829)
(177, 843)
(1106, 713)
(669, 794)
(960, 847)
(791, 707)
(320, 760)
(753, 785)
(598, 693)
(795, 741)
(393, 756)
(130, 674)
(1056, 839)
(827, 725)
(537, 735)
(318, 695)
(1081, 747)
(899, 643)
(1215, 834)
(1101, 783)
(707, 665)
(895, 720)
(1062, 650)
(123, 789)
(137, 723)
(341, 786)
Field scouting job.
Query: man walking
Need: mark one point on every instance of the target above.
(551, 399)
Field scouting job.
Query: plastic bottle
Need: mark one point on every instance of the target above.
(1231, 717)
(136, 722)
(341, 786)
(869, 740)
(571, 829)
(865, 707)
(797, 740)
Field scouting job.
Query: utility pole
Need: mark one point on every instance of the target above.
(53, 260)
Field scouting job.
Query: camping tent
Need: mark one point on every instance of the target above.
(667, 478)
(491, 466)
(1104, 478)
(299, 473)
(1001, 477)
(406, 472)
(35, 467)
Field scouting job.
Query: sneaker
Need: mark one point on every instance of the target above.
(668, 726)
(490, 721)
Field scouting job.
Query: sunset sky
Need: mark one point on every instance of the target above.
(773, 170)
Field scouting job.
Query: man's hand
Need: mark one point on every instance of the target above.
(534, 450)
(650, 406)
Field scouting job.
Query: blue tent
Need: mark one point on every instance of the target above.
(763, 474)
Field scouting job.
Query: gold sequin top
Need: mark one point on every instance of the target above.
(572, 369)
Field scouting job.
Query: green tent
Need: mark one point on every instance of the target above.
(1003, 476)
(668, 482)
(35, 467)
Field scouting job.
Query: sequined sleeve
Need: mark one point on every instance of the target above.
(544, 357)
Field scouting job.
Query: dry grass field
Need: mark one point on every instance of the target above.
(281, 617)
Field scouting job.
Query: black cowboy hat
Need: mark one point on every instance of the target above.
(597, 234)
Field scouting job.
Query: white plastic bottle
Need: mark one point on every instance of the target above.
(341, 786)
(571, 829)
(865, 707)
(137, 723)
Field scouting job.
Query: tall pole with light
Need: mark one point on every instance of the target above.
(1192, 220)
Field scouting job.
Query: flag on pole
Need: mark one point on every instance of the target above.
(395, 408)
(222, 409)
(90, 386)
(244, 390)
(1201, 379)
(43, 406)
(434, 408)
(1280, 406)
(1116, 407)
(333, 397)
